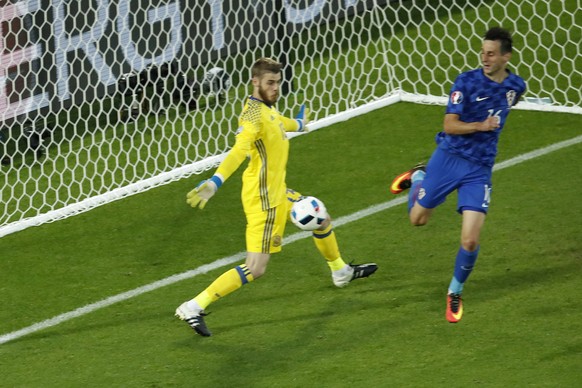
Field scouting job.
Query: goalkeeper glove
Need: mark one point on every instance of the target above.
(302, 118)
(204, 191)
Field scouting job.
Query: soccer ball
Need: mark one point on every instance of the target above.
(308, 213)
(216, 81)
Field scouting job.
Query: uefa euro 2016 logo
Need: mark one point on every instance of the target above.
(456, 97)
(510, 97)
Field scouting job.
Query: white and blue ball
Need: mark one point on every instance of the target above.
(308, 213)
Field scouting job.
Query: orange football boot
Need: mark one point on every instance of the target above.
(403, 181)
(454, 308)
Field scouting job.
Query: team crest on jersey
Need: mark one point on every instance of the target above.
(510, 97)
(456, 97)
(277, 240)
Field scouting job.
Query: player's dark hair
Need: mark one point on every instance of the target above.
(503, 36)
(265, 65)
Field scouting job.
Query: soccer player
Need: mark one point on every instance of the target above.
(478, 106)
(261, 138)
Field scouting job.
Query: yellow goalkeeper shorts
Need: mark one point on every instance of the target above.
(265, 229)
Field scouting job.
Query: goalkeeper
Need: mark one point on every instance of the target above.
(261, 137)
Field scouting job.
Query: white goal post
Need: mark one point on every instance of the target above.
(101, 99)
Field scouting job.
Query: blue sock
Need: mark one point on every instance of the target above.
(463, 268)
(415, 188)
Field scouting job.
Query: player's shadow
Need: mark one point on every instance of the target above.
(397, 294)
(500, 284)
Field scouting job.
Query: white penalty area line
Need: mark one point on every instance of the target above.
(237, 257)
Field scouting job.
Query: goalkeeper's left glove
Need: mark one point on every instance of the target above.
(204, 191)
(302, 118)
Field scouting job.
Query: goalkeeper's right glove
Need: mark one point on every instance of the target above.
(203, 192)
(302, 118)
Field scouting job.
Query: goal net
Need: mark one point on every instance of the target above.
(101, 99)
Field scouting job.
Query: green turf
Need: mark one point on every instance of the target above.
(292, 328)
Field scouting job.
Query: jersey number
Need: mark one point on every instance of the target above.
(486, 196)
(497, 114)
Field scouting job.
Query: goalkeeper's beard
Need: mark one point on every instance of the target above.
(265, 97)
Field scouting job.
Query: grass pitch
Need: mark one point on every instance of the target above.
(292, 328)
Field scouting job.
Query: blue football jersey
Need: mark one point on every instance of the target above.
(474, 97)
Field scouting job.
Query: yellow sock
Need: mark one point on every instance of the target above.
(226, 283)
(326, 243)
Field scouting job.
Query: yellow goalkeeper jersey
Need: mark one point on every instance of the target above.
(261, 137)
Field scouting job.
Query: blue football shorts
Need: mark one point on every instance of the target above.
(446, 172)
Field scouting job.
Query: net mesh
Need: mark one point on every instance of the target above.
(104, 99)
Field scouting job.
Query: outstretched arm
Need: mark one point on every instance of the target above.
(199, 196)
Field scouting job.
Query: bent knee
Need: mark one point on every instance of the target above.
(470, 245)
(419, 215)
(325, 223)
(418, 220)
(257, 272)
